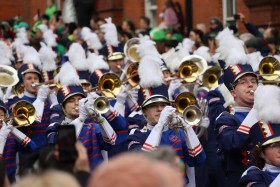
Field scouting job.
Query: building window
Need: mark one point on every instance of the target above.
(151, 11)
(229, 9)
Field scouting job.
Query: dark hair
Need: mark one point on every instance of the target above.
(146, 20)
(130, 24)
(171, 43)
(170, 4)
(198, 32)
(257, 160)
(45, 17)
(233, 28)
(71, 27)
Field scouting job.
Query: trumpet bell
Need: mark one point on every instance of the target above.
(183, 100)
(192, 115)
(211, 77)
(8, 76)
(130, 49)
(132, 74)
(191, 67)
(101, 105)
(23, 113)
(269, 68)
(110, 84)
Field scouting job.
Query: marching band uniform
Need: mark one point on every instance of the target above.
(94, 137)
(262, 134)
(187, 147)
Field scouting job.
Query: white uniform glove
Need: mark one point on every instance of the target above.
(166, 116)
(90, 110)
(5, 130)
(174, 84)
(121, 97)
(134, 93)
(205, 122)
(83, 112)
(7, 94)
(43, 92)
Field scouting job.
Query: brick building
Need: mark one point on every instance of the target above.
(259, 12)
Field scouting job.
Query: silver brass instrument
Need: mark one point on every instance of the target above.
(185, 104)
(130, 49)
(8, 76)
(101, 105)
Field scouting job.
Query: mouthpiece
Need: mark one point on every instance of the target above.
(252, 92)
(77, 109)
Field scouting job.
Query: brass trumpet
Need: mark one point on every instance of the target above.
(211, 77)
(23, 114)
(101, 105)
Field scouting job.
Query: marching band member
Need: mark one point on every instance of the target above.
(265, 135)
(29, 74)
(233, 129)
(76, 109)
(154, 102)
(11, 141)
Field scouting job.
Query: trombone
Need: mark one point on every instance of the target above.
(23, 114)
(109, 85)
(269, 69)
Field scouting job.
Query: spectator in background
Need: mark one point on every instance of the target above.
(46, 19)
(170, 18)
(84, 10)
(144, 26)
(197, 36)
(202, 27)
(51, 8)
(128, 26)
(180, 16)
(4, 181)
(215, 25)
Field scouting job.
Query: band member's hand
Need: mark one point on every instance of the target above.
(5, 130)
(121, 97)
(43, 92)
(205, 122)
(174, 84)
(83, 112)
(166, 116)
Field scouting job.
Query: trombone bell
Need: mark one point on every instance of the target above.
(191, 67)
(269, 68)
(132, 74)
(130, 49)
(23, 113)
(211, 77)
(109, 84)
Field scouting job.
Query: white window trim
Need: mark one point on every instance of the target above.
(148, 8)
(225, 18)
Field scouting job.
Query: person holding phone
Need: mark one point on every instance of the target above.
(77, 109)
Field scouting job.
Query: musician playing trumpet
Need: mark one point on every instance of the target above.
(155, 105)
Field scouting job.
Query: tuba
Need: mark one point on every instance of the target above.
(269, 69)
(191, 67)
(130, 49)
(23, 113)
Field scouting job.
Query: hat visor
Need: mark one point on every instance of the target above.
(155, 99)
(70, 95)
(33, 71)
(244, 73)
(116, 56)
(276, 139)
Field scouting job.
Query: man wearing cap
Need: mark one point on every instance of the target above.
(232, 128)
